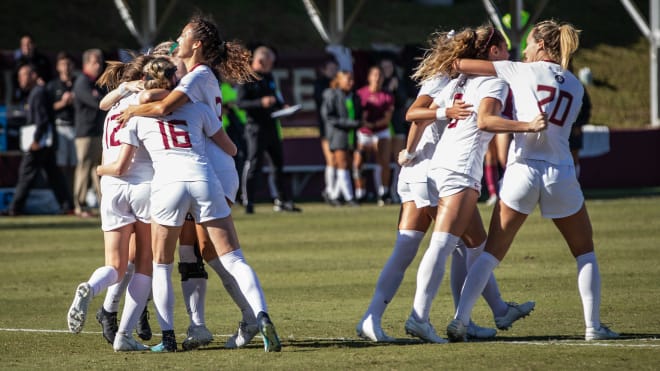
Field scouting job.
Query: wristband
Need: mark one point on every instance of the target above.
(409, 156)
(122, 89)
(441, 113)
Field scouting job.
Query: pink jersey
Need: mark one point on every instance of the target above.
(375, 105)
(140, 170)
(176, 142)
(543, 86)
(463, 146)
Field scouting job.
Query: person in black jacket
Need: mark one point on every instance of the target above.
(341, 113)
(41, 153)
(260, 99)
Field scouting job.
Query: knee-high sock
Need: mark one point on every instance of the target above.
(344, 184)
(476, 280)
(330, 175)
(491, 175)
(458, 271)
(137, 295)
(247, 280)
(102, 278)
(378, 181)
(116, 291)
(193, 289)
(430, 273)
(233, 290)
(405, 249)
(589, 287)
(163, 293)
(491, 292)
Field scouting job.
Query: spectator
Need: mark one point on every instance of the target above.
(260, 99)
(27, 53)
(89, 126)
(60, 90)
(374, 135)
(326, 73)
(41, 153)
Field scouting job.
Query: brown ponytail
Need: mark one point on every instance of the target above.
(158, 74)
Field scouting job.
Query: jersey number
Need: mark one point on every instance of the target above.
(561, 107)
(170, 134)
(454, 122)
(110, 140)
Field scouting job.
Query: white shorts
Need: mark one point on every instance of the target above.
(554, 187)
(416, 192)
(65, 154)
(123, 204)
(225, 169)
(372, 139)
(204, 200)
(444, 183)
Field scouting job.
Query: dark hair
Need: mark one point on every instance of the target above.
(230, 60)
(63, 55)
(118, 72)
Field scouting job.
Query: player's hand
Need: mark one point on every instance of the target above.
(405, 158)
(459, 111)
(539, 123)
(125, 115)
(135, 86)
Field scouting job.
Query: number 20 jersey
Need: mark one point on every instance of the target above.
(543, 86)
(176, 142)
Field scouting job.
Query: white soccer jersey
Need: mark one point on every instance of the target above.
(463, 146)
(140, 170)
(543, 86)
(416, 172)
(201, 85)
(176, 142)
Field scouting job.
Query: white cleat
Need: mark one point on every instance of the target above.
(602, 333)
(368, 330)
(245, 333)
(197, 336)
(514, 313)
(475, 331)
(423, 330)
(457, 331)
(126, 343)
(78, 311)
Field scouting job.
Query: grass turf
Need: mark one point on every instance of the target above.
(318, 270)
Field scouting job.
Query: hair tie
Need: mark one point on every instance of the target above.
(172, 48)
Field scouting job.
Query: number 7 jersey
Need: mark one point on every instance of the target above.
(543, 87)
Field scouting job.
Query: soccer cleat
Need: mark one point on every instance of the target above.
(368, 330)
(475, 331)
(108, 321)
(167, 345)
(271, 340)
(423, 330)
(457, 331)
(78, 311)
(197, 336)
(602, 333)
(287, 206)
(492, 200)
(514, 313)
(245, 333)
(143, 328)
(125, 343)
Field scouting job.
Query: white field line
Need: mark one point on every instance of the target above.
(623, 343)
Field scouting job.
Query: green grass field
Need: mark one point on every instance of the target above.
(318, 270)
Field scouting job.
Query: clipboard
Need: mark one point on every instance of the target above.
(286, 111)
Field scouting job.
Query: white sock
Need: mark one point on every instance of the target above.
(430, 273)
(233, 290)
(344, 184)
(491, 292)
(193, 289)
(163, 293)
(476, 280)
(360, 193)
(102, 278)
(589, 287)
(137, 295)
(458, 271)
(405, 249)
(330, 175)
(116, 291)
(247, 280)
(378, 181)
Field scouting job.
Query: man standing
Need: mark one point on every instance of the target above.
(260, 99)
(89, 128)
(41, 153)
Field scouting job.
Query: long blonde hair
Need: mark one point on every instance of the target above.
(560, 41)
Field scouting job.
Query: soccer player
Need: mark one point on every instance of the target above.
(540, 169)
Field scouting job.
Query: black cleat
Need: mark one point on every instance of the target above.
(108, 321)
(143, 328)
